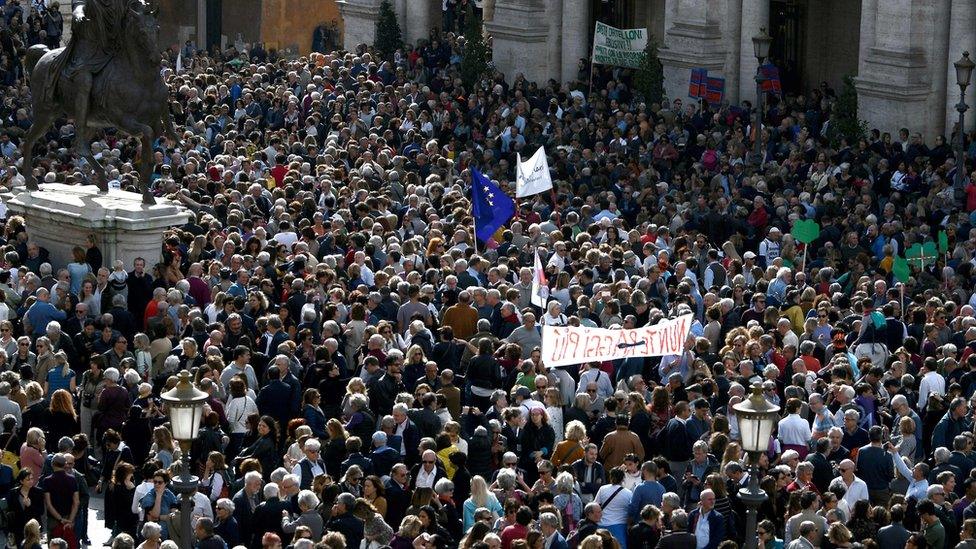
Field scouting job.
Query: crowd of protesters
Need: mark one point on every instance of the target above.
(376, 376)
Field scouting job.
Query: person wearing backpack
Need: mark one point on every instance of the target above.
(568, 503)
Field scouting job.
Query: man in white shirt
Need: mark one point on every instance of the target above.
(856, 489)
(917, 476)
(794, 431)
(932, 382)
(706, 506)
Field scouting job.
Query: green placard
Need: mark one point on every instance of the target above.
(900, 269)
(943, 242)
(806, 231)
(921, 255)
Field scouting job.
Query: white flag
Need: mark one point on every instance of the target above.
(540, 287)
(532, 176)
(179, 63)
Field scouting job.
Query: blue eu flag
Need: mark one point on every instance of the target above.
(492, 207)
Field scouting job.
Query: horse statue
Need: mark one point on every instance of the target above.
(109, 75)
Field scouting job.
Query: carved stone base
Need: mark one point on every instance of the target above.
(59, 217)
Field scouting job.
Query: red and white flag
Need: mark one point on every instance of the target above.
(540, 287)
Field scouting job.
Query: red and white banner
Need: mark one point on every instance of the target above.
(565, 345)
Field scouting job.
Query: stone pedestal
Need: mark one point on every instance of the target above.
(59, 217)
(519, 39)
(694, 40)
(359, 19)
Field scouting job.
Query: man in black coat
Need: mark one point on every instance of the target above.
(122, 319)
(426, 418)
(676, 442)
(398, 494)
(140, 289)
(245, 503)
(344, 521)
(274, 399)
(354, 446)
(383, 389)
(267, 515)
(823, 471)
(679, 538)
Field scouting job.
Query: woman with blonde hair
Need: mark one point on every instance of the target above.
(414, 366)
(45, 359)
(905, 440)
(60, 376)
(570, 449)
(163, 448)
(32, 452)
(140, 345)
(409, 529)
(32, 535)
(481, 497)
(355, 386)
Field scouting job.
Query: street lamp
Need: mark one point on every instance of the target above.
(757, 418)
(185, 403)
(964, 71)
(760, 45)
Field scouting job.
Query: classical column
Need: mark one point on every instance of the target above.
(422, 16)
(359, 22)
(754, 17)
(693, 39)
(201, 37)
(519, 39)
(554, 16)
(962, 37)
(576, 36)
(897, 85)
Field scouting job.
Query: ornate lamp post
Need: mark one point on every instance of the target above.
(757, 418)
(964, 71)
(760, 44)
(185, 403)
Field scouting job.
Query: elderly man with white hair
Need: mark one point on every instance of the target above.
(310, 466)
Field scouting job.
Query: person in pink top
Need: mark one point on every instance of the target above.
(32, 451)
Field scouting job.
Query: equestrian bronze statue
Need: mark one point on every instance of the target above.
(109, 75)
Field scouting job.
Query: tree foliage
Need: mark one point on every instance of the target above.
(649, 80)
(846, 124)
(476, 59)
(388, 36)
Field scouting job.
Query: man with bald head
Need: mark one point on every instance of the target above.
(426, 473)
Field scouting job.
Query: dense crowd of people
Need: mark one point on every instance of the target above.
(375, 376)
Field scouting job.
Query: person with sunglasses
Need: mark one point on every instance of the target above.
(160, 500)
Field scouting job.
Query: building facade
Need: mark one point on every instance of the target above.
(900, 52)
(288, 25)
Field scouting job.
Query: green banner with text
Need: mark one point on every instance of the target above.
(618, 47)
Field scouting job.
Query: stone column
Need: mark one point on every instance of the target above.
(896, 83)
(576, 36)
(554, 18)
(754, 17)
(201, 37)
(359, 21)
(962, 37)
(422, 16)
(694, 39)
(519, 39)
